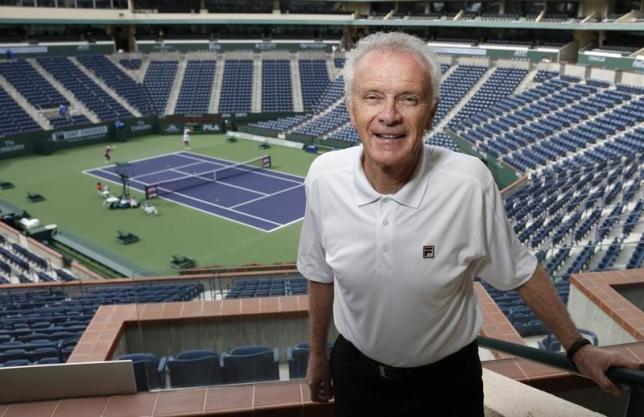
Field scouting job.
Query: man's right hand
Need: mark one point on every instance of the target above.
(318, 377)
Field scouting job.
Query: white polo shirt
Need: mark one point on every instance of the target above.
(403, 265)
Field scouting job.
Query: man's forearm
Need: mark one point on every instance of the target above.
(541, 296)
(320, 308)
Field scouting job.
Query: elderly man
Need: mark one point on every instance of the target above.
(393, 236)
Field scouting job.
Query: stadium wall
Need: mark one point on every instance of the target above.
(24, 50)
(595, 302)
(620, 63)
(218, 46)
(503, 174)
(219, 335)
(48, 141)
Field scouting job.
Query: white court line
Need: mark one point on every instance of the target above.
(105, 167)
(160, 183)
(251, 190)
(226, 208)
(140, 159)
(267, 195)
(169, 169)
(238, 162)
(286, 224)
(266, 174)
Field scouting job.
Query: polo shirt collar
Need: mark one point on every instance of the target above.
(411, 194)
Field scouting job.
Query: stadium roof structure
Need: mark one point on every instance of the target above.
(61, 16)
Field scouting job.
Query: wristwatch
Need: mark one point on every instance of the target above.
(576, 345)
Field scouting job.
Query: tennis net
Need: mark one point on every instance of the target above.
(191, 181)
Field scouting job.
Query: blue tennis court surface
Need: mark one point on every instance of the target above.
(264, 199)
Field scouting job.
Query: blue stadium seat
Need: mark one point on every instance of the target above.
(44, 352)
(13, 354)
(148, 373)
(251, 364)
(158, 82)
(194, 96)
(297, 357)
(193, 368)
(314, 78)
(277, 92)
(16, 362)
(48, 361)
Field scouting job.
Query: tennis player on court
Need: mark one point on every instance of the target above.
(186, 138)
(107, 153)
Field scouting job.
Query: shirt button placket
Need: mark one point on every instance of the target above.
(385, 234)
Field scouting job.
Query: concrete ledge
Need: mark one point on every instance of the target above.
(505, 397)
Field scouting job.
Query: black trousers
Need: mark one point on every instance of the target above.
(450, 387)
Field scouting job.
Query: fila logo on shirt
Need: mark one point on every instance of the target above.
(428, 251)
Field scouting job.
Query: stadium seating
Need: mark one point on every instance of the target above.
(17, 263)
(298, 357)
(500, 85)
(118, 81)
(237, 87)
(319, 126)
(551, 344)
(277, 92)
(131, 64)
(250, 364)
(193, 368)
(194, 96)
(31, 84)
(345, 134)
(263, 287)
(49, 319)
(282, 124)
(443, 141)
(148, 373)
(544, 124)
(455, 86)
(13, 119)
(333, 92)
(85, 89)
(637, 258)
(59, 122)
(314, 79)
(16, 362)
(158, 83)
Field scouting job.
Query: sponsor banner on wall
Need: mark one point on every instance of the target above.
(10, 146)
(141, 126)
(458, 51)
(610, 62)
(133, 127)
(24, 50)
(265, 46)
(313, 45)
(211, 127)
(81, 135)
(172, 128)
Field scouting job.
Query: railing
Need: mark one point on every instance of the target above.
(621, 376)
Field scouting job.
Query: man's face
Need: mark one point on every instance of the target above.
(389, 107)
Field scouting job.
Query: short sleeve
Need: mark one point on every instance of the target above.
(311, 259)
(507, 264)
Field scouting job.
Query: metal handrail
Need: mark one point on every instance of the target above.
(634, 378)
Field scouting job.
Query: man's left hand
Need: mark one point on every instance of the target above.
(593, 362)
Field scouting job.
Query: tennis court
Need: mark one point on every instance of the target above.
(246, 193)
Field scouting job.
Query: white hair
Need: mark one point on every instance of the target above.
(394, 42)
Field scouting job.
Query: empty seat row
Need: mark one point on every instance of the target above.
(205, 367)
